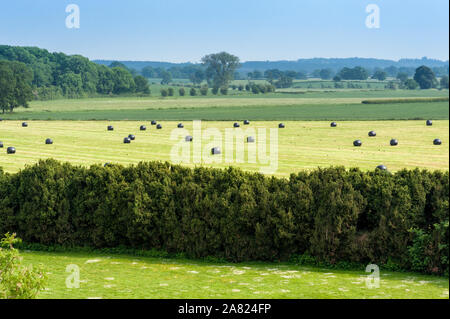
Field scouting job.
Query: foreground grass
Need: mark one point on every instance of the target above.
(120, 276)
(301, 145)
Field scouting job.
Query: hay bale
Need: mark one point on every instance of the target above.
(382, 167)
(153, 122)
(143, 128)
(281, 125)
(1, 144)
(110, 128)
(357, 143)
(24, 124)
(333, 124)
(188, 138)
(394, 142)
(180, 125)
(107, 164)
(216, 151)
(372, 134)
(132, 137)
(437, 142)
(429, 122)
(246, 122)
(250, 139)
(11, 150)
(236, 125)
(49, 141)
(159, 126)
(126, 140)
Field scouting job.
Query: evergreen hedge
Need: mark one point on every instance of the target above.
(331, 214)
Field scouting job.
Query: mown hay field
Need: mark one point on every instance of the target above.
(302, 145)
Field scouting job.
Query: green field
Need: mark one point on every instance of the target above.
(309, 105)
(121, 276)
(301, 145)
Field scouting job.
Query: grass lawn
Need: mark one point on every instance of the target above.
(301, 145)
(121, 276)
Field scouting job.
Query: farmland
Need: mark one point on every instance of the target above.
(301, 145)
(78, 128)
(310, 105)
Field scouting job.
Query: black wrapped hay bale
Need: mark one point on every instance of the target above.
(382, 168)
(24, 124)
(127, 140)
(107, 164)
(159, 126)
(215, 151)
(143, 128)
(333, 124)
(281, 125)
(236, 125)
(188, 138)
(246, 122)
(357, 143)
(1, 144)
(49, 141)
(429, 122)
(153, 122)
(11, 150)
(180, 125)
(372, 134)
(437, 142)
(394, 142)
(250, 139)
(132, 137)
(110, 128)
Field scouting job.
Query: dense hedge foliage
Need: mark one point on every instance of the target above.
(406, 100)
(330, 214)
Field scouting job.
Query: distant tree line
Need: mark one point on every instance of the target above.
(60, 75)
(57, 75)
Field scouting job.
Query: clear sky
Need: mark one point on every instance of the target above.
(185, 30)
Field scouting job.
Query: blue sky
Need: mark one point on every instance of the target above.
(182, 30)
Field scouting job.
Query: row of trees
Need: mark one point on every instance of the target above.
(197, 73)
(73, 76)
(204, 89)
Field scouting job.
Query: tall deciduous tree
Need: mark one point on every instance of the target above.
(379, 75)
(7, 85)
(15, 85)
(166, 77)
(425, 77)
(141, 84)
(197, 77)
(444, 82)
(220, 68)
